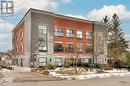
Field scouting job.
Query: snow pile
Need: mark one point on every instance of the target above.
(3, 70)
(55, 74)
(117, 71)
(89, 76)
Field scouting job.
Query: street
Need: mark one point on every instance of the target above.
(9, 80)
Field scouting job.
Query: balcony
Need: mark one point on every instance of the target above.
(88, 37)
(89, 50)
(79, 36)
(69, 35)
(70, 50)
(79, 51)
(58, 33)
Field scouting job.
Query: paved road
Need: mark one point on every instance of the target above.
(115, 81)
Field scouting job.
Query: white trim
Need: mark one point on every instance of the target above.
(57, 42)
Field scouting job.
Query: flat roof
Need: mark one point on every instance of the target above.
(56, 15)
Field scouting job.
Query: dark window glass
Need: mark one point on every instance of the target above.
(69, 48)
(58, 47)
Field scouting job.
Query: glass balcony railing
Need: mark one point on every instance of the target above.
(88, 37)
(69, 50)
(69, 35)
(58, 33)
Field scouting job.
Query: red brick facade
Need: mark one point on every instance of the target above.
(19, 39)
(75, 26)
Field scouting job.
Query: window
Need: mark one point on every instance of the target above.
(21, 35)
(42, 38)
(58, 61)
(16, 50)
(88, 35)
(100, 60)
(58, 31)
(58, 47)
(69, 48)
(42, 46)
(69, 33)
(79, 34)
(42, 61)
(89, 48)
(42, 29)
(79, 47)
(16, 39)
(90, 60)
(21, 48)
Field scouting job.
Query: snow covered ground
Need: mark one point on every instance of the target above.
(87, 75)
(21, 69)
(3, 70)
(110, 73)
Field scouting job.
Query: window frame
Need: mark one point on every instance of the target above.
(56, 44)
(43, 62)
(58, 61)
(80, 34)
(89, 46)
(21, 48)
(81, 47)
(42, 29)
(69, 49)
(58, 29)
(21, 35)
(88, 35)
(69, 33)
(41, 46)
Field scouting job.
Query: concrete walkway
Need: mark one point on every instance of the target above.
(26, 77)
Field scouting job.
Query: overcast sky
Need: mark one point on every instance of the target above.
(86, 9)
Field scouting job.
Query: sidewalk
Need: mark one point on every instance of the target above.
(27, 77)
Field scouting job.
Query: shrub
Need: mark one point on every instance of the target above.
(66, 66)
(68, 62)
(105, 67)
(41, 69)
(70, 72)
(50, 66)
(92, 65)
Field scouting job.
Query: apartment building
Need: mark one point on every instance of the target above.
(42, 38)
